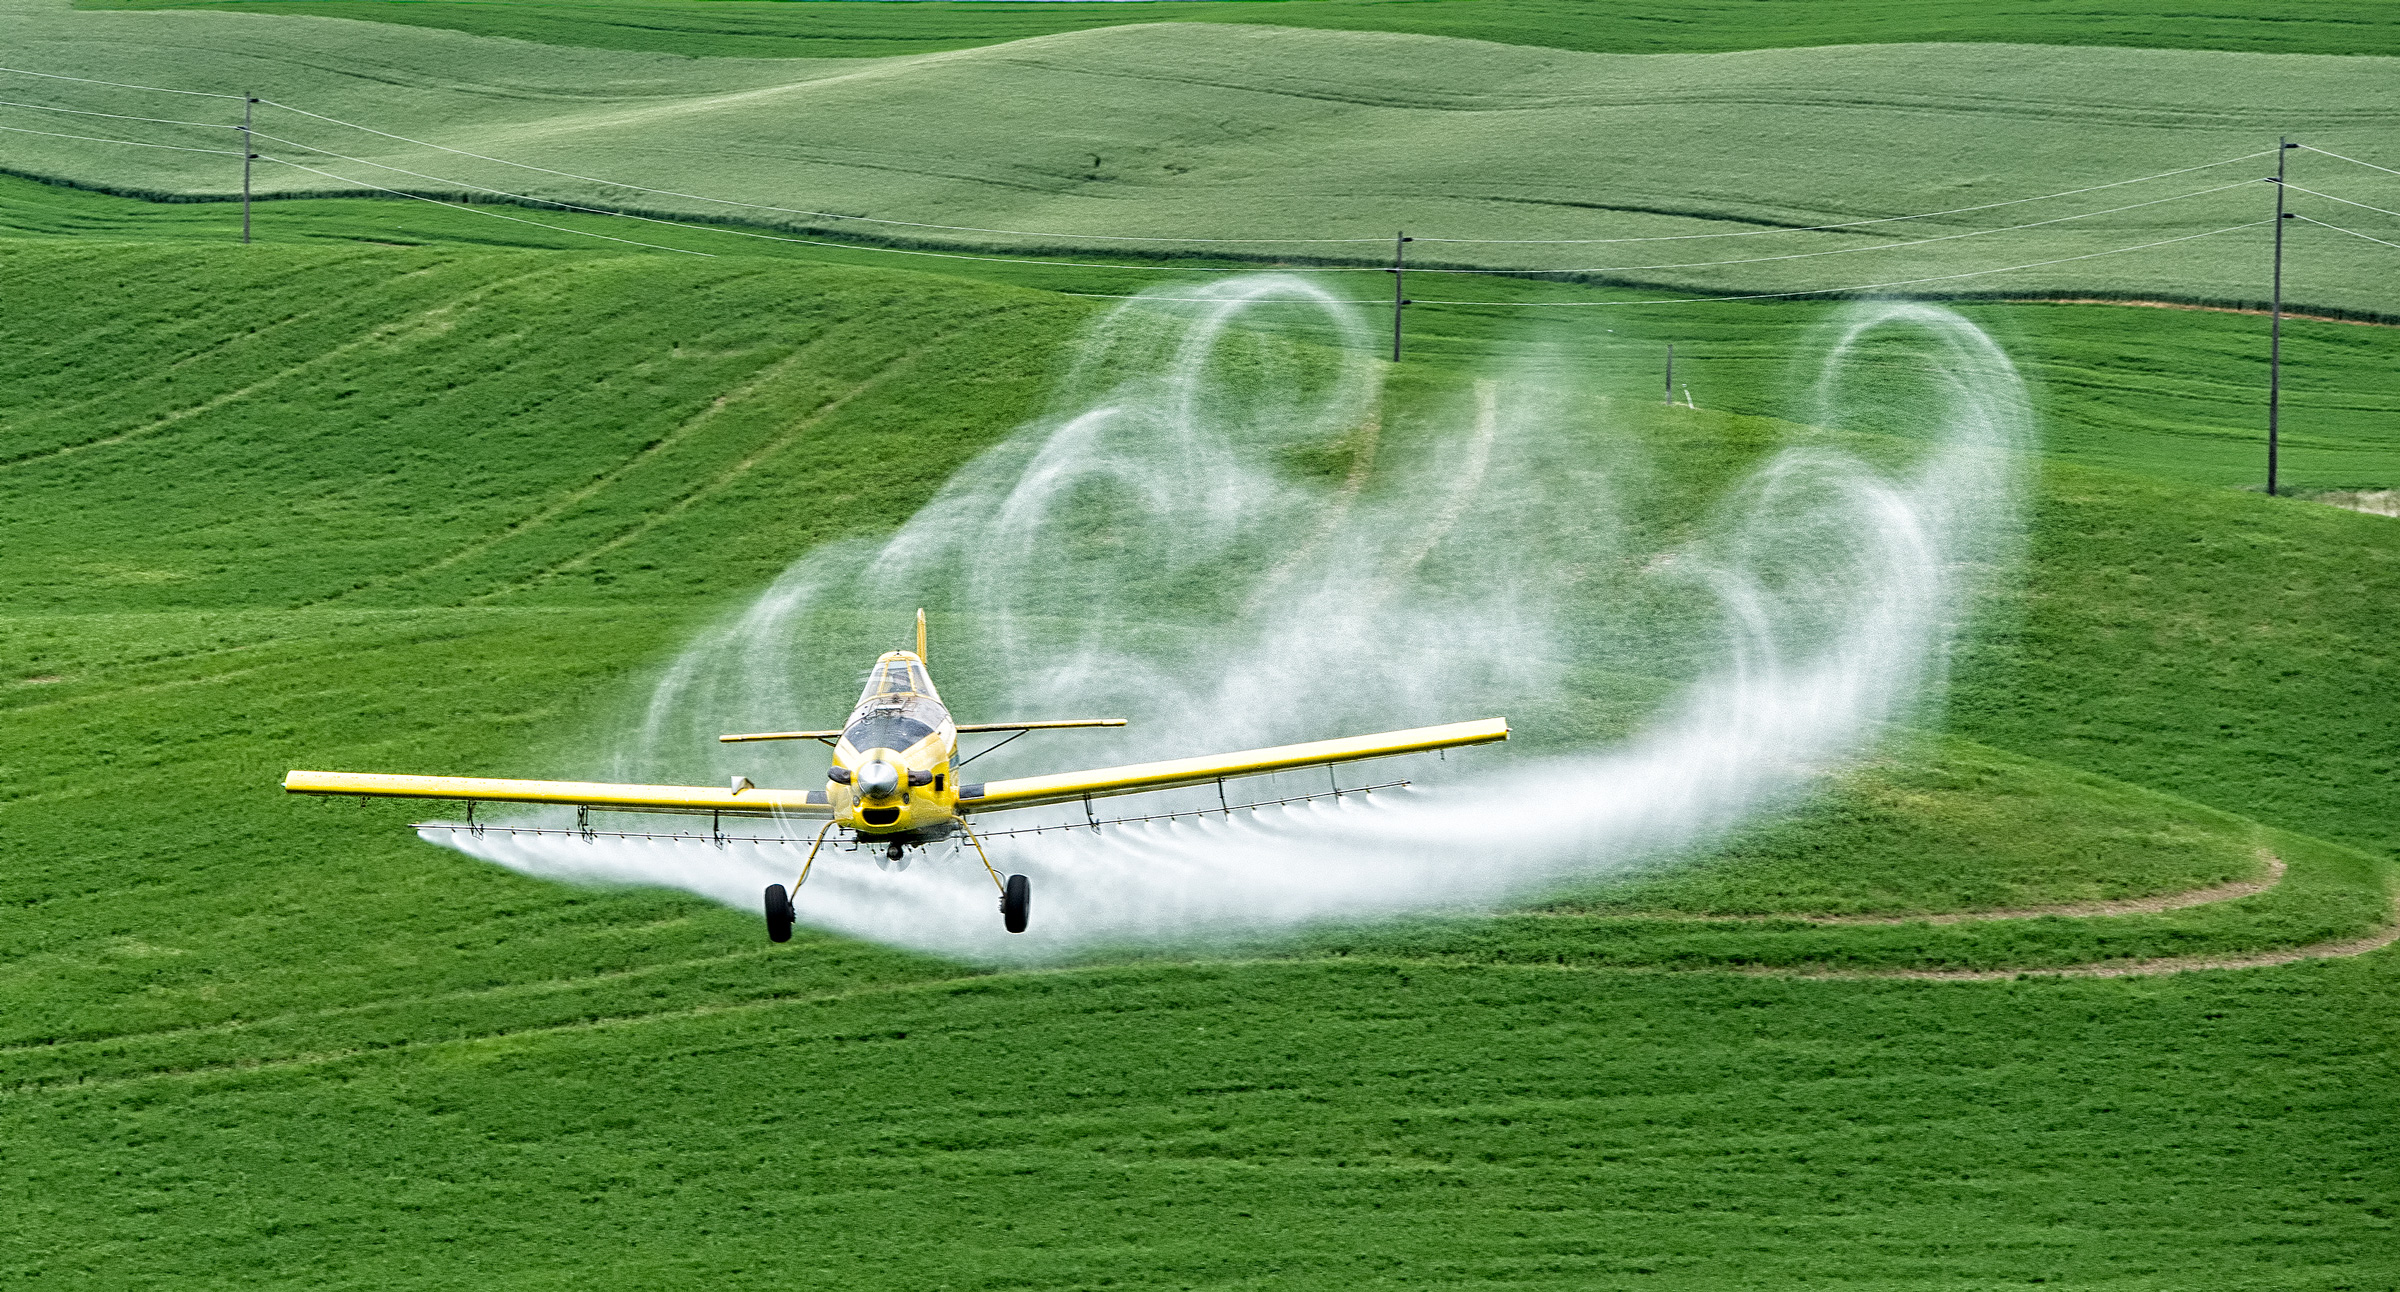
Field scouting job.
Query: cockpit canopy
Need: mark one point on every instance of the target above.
(897, 674)
(898, 707)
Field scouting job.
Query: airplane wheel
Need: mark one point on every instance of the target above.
(1016, 903)
(779, 914)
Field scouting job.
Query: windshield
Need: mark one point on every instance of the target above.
(885, 731)
(898, 707)
(894, 676)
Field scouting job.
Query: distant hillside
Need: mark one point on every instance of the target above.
(1214, 131)
(844, 28)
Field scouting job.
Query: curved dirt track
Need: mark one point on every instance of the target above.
(2375, 941)
(2152, 905)
(2275, 869)
(2128, 906)
(2361, 945)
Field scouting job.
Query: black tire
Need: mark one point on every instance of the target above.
(779, 914)
(1016, 903)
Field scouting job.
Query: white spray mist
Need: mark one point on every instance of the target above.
(1226, 537)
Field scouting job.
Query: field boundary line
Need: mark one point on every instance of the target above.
(2184, 305)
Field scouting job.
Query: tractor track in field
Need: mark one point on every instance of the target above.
(2151, 968)
(774, 446)
(338, 1054)
(380, 334)
(538, 987)
(231, 341)
(684, 430)
(2275, 870)
(2126, 906)
(2151, 905)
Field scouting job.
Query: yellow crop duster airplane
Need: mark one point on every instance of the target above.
(893, 780)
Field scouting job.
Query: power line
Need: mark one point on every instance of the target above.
(156, 89)
(2343, 200)
(455, 206)
(772, 237)
(1147, 238)
(1208, 300)
(1095, 237)
(2339, 229)
(118, 116)
(2352, 160)
(1113, 237)
(1211, 269)
(1869, 287)
(786, 210)
(130, 143)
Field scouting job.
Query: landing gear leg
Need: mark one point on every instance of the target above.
(1016, 891)
(779, 902)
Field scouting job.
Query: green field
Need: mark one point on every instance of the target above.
(1215, 131)
(407, 487)
(2175, 394)
(198, 604)
(841, 28)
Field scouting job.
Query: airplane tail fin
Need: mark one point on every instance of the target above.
(920, 636)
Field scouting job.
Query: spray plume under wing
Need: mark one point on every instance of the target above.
(1228, 526)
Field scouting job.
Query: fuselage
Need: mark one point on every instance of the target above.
(891, 775)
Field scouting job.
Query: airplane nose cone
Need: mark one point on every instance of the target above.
(879, 780)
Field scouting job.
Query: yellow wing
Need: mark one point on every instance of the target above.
(742, 800)
(1067, 787)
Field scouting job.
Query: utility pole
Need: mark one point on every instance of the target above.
(1400, 243)
(2275, 325)
(1670, 374)
(248, 156)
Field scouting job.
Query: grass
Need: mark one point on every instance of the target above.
(2330, 894)
(396, 504)
(447, 501)
(2173, 394)
(1295, 1126)
(821, 29)
(2009, 832)
(1190, 130)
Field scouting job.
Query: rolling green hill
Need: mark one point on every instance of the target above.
(2173, 394)
(437, 505)
(420, 487)
(1216, 131)
(840, 28)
